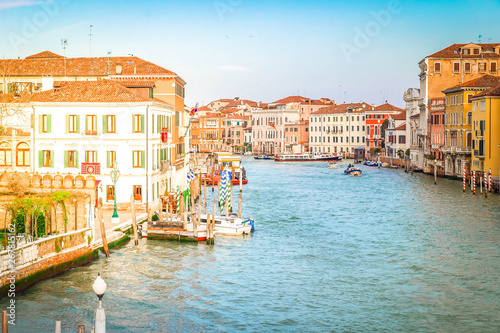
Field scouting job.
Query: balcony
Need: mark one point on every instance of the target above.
(421, 131)
(435, 146)
(449, 149)
(479, 133)
(479, 153)
(164, 166)
(464, 150)
(90, 132)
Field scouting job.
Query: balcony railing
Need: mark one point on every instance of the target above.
(421, 131)
(466, 150)
(449, 149)
(479, 133)
(479, 153)
(435, 146)
(90, 132)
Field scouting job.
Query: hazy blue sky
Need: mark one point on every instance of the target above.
(259, 50)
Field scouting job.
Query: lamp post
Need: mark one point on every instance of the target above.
(115, 174)
(99, 287)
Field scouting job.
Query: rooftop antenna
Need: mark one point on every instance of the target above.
(64, 44)
(90, 40)
(479, 38)
(109, 54)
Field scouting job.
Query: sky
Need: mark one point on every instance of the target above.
(259, 50)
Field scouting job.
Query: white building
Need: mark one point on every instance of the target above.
(413, 118)
(395, 135)
(85, 126)
(338, 128)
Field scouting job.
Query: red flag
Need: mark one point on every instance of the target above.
(272, 125)
(193, 111)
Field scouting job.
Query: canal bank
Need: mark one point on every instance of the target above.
(387, 252)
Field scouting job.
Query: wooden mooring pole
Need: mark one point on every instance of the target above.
(5, 322)
(134, 219)
(208, 229)
(205, 197)
(435, 172)
(103, 229)
(240, 201)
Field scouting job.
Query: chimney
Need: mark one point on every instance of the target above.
(118, 69)
(47, 83)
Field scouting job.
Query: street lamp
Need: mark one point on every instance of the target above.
(115, 174)
(99, 287)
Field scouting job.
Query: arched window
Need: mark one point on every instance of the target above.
(23, 154)
(469, 118)
(5, 154)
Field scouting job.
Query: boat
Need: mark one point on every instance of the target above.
(352, 171)
(332, 165)
(231, 225)
(307, 157)
(370, 163)
(263, 157)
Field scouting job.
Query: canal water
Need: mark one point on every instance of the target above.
(385, 252)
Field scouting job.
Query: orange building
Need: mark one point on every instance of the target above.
(210, 133)
(375, 117)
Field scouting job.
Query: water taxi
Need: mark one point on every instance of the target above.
(263, 157)
(307, 157)
(352, 171)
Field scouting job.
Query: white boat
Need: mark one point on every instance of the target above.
(232, 225)
(307, 157)
(332, 165)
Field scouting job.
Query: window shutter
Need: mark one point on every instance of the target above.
(67, 123)
(105, 124)
(40, 124)
(142, 123)
(51, 158)
(86, 156)
(76, 159)
(143, 155)
(40, 158)
(78, 124)
(133, 159)
(133, 123)
(86, 123)
(49, 123)
(153, 123)
(65, 158)
(108, 159)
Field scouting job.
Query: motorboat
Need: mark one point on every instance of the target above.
(231, 225)
(352, 171)
(307, 157)
(263, 157)
(332, 165)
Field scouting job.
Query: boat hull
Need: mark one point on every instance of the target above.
(318, 159)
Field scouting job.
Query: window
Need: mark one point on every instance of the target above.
(402, 139)
(91, 123)
(467, 67)
(456, 67)
(138, 159)
(108, 123)
(437, 67)
(493, 67)
(5, 154)
(23, 154)
(111, 192)
(138, 123)
(469, 118)
(476, 51)
(47, 158)
(482, 106)
(72, 123)
(45, 123)
(481, 67)
(469, 96)
(110, 158)
(70, 159)
(91, 156)
(466, 51)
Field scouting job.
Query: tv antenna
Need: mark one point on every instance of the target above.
(64, 44)
(479, 38)
(90, 40)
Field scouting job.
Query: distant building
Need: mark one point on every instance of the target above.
(395, 135)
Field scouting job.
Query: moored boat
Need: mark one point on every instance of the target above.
(263, 157)
(231, 225)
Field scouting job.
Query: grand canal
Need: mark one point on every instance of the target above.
(386, 252)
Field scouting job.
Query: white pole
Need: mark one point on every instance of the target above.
(100, 320)
(58, 326)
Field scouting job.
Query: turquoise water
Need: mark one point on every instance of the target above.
(385, 252)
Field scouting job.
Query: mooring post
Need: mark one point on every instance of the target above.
(103, 229)
(435, 172)
(134, 221)
(241, 178)
(480, 182)
(5, 322)
(485, 184)
(205, 197)
(208, 229)
(58, 326)
(81, 329)
(213, 230)
(240, 201)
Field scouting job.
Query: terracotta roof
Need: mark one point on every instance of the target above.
(342, 108)
(101, 91)
(204, 108)
(230, 110)
(399, 116)
(11, 98)
(290, 99)
(493, 91)
(235, 103)
(47, 63)
(484, 81)
(387, 107)
(401, 127)
(453, 51)
(44, 55)
(135, 83)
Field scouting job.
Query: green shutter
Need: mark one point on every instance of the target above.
(76, 159)
(65, 158)
(105, 124)
(67, 123)
(151, 93)
(152, 123)
(143, 159)
(86, 156)
(86, 123)
(9, 88)
(51, 158)
(133, 159)
(158, 124)
(40, 124)
(133, 123)
(142, 123)
(40, 158)
(107, 159)
(49, 123)
(78, 124)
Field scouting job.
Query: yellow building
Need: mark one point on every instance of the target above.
(486, 132)
(457, 149)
